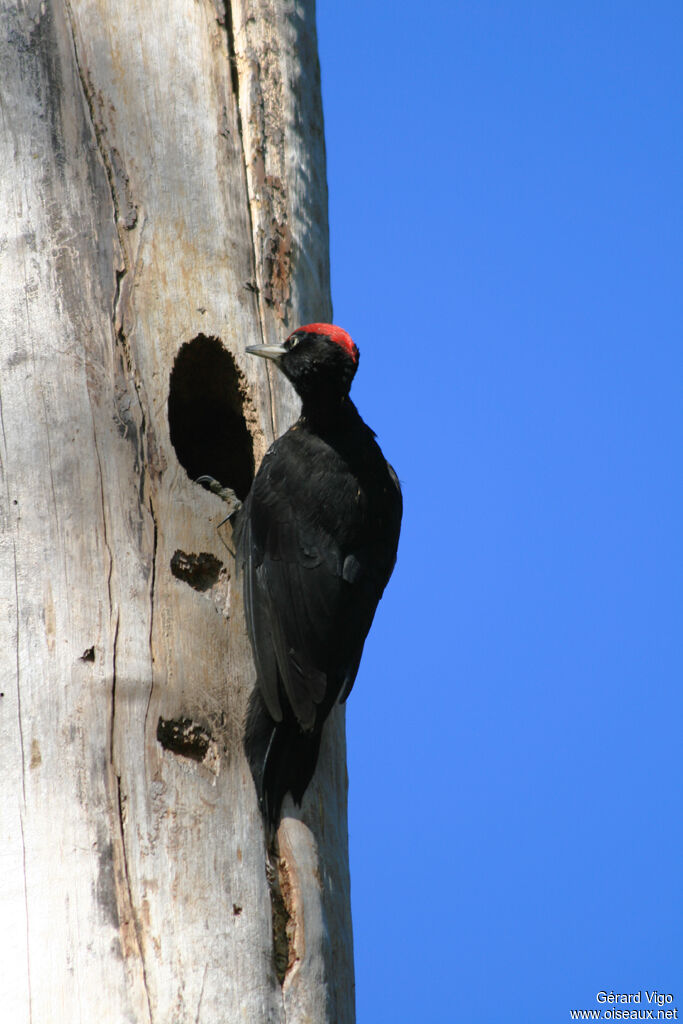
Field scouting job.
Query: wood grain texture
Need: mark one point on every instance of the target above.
(163, 179)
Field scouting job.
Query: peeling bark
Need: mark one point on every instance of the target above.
(163, 183)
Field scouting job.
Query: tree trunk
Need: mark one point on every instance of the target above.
(163, 205)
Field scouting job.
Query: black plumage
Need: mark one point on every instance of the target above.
(316, 543)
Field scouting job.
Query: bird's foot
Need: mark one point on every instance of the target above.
(226, 493)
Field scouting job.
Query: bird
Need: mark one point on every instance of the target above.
(315, 541)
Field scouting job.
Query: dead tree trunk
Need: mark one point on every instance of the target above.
(162, 205)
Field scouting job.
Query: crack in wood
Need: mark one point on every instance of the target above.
(18, 667)
(201, 994)
(277, 874)
(151, 614)
(258, 285)
(28, 943)
(116, 178)
(97, 126)
(113, 682)
(129, 916)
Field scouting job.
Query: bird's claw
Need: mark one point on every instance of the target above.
(226, 493)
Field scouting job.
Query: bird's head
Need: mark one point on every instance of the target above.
(319, 359)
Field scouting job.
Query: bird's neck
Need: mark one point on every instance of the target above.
(327, 414)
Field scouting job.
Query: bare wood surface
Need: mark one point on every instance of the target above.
(163, 179)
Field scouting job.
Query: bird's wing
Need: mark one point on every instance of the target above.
(257, 613)
(368, 570)
(301, 601)
(297, 603)
(310, 591)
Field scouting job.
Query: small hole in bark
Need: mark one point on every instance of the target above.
(237, 910)
(200, 571)
(88, 654)
(183, 736)
(206, 417)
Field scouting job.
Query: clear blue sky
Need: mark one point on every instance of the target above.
(506, 223)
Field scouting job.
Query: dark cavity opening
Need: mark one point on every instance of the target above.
(183, 736)
(205, 415)
(200, 571)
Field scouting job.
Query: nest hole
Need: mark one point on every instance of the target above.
(206, 415)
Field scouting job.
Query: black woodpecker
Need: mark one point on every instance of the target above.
(316, 542)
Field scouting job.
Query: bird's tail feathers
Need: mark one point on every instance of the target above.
(282, 758)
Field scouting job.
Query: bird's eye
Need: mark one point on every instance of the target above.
(292, 341)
